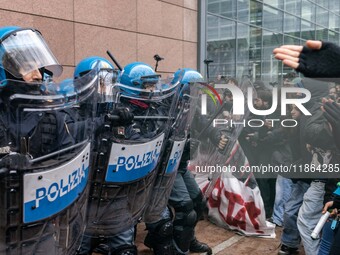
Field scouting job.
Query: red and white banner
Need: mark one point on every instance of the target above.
(234, 200)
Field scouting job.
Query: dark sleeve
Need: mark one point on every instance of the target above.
(276, 136)
(317, 132)
(336, 202)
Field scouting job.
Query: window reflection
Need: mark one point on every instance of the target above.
(221, 46)
(272, 19)
(243, 10)
(291, 25)
(322, 15)
(255, 13)
(321, 33)
(225, 8)
(293, 7)
(307, 30)
(308, 10)
(274, 3)
(241, 34)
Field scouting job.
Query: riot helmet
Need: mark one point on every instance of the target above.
(186, 76)
(23, 51)
(138, 75)
(107, 74)
(87, 64)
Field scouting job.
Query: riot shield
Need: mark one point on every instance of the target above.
(175, 146)
(227, 122)
(127, 157)
(45, 166)
(221, 174)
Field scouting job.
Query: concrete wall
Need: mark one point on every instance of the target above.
(133, 30)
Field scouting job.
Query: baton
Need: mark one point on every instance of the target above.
(111, 117)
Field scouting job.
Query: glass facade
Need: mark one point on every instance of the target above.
(240, 35)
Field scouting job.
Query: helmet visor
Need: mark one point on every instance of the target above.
(25, 51)
(152, 91)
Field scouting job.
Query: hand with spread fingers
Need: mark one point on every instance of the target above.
(315, 60)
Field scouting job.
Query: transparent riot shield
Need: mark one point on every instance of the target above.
(223, 118)
(175, 146)
(45, 166)
(127, 157)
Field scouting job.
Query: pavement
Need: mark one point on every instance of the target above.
(224, 242)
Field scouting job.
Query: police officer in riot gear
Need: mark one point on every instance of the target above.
(142, 76)
(37, 129)
(26, 62)
(118, 243)
(141, 81)
(186, 198)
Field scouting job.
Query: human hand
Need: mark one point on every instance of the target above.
(125, 116)
(316, 60)
(329, 205)
(289, 54)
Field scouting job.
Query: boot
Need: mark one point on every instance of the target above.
(197, 246)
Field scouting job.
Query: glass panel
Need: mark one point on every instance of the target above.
(228, 8)
(270, 67)
(221, 46)
(255, 49)
(293, 6)
(307, 30)
(255, 13)
(323, 3)
(291, 40)
(333, 37)
(225, 8)
(227, 29)
(272, 19)
(334, 5)
(243, 10)
(213, 6)
(212, 27)
(274, 3)
(321, 33)
(333, 21)
(242, 51)
(291, 25)
(322, 15)
(308, 10)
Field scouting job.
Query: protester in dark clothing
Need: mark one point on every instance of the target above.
(318, 60)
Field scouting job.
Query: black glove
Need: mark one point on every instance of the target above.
(332, 114)
(125, 117)
(323, 63)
